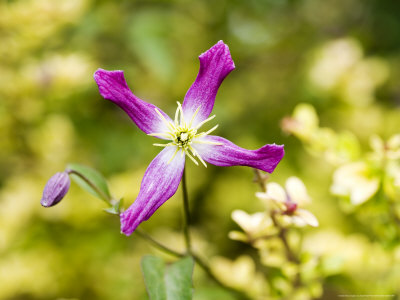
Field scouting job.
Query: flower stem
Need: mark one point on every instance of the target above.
(291, 256)
(186, 223)
(157, 244)
(206, 268)
(202, 264)
(104, 197)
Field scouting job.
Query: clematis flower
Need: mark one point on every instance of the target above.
(288, 200)
(183, 136)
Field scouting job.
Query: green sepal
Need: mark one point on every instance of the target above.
(115, 208)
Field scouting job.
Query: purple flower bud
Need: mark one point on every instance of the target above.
(55, 189)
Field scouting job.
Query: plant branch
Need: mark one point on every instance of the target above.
(105, 197)
(157, 244)
(206, 268)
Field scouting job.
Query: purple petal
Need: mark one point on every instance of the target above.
(113, 87)
(215, 65)
(55, 190)
(159, 183)
(228, 154)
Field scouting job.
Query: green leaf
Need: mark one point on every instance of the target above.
(153, 271)
(178, 279)
(91, 181)
(168, 282)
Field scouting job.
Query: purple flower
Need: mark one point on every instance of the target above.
(182, 134)
(55, 190)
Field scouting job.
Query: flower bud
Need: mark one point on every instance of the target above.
(55, 189)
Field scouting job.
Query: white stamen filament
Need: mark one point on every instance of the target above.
(183, 135)
(205, 121)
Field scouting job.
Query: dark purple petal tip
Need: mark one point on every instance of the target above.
(108, 81)
(215, 64)
(55, 190)
(219, 52)
(112, 86)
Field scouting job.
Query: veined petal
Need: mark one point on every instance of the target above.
(215, 64)
(159, 183)
(226, 154)
(113, 87)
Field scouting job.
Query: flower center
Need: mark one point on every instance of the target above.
(183, 134)
(290, 207)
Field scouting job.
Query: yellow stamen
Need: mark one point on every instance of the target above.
(191, 157)
(164, 145)
(205, 121)
(164, 120)
(164, 134)
(173, 156)
(194, 115)
(207, 142)
(183, 135)
(195, 153)
(183, 123)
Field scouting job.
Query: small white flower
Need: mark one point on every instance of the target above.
(288, 201)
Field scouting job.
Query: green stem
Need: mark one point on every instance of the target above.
(186, 223)
(202, 264)
(206, 268)
(188, 243)
(105, 197)
(291, 256)
(282, 235)
(157, 244)
(261, 179)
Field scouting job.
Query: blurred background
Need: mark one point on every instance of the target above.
(342, 57)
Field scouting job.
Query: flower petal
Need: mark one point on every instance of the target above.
(274, 192)
(159, 183)
(307, 217)
(55, 190)
(297, 191)
(113, 87)
(215, 65)
(227, 154)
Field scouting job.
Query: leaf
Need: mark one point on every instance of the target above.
(91, 181)
(153, 271)
(168, 282)
(178, 279)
